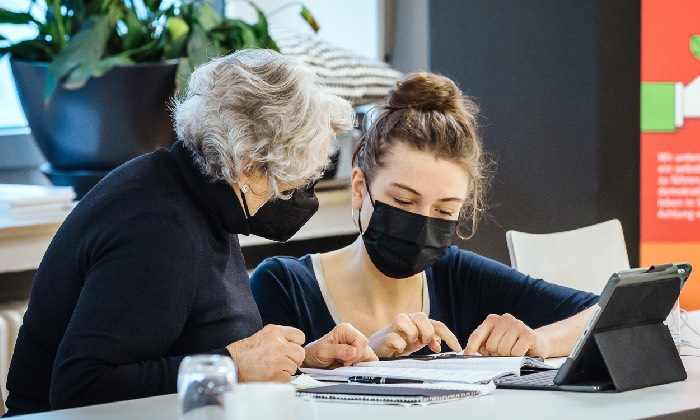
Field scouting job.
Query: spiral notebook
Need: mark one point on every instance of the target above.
(373, 394)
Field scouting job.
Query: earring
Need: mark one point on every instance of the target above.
(352, 214)
(245, 188)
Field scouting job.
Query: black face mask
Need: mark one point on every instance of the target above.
(278, 220)
(401, 244)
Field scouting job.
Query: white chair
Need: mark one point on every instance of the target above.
(581, 258)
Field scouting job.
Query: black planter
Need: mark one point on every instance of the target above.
(85, 133)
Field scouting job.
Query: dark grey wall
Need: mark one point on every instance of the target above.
(407, 34)
(558, 85)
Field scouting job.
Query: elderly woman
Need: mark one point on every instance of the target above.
(148, 268)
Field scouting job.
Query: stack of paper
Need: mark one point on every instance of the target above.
(35, 202)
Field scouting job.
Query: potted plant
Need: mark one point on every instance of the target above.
(96, 81)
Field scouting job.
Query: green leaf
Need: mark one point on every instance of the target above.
(79, 9)
(250, 40)
(80, 75)
(272, 45)
(695, 46)
(309, 18)
(261, 26)
(97, 7)
(30, 49)
(215, 49)
(104, 66)
(16, 18)
(86, 46)
(168, 12)
(236, 34)
(153, 5)
(176, 31)
(138, 53)
(182, 79)
(135, 34)
(55, 25)
(262, 34)
(197, 47)
(208, 18)
(187, 12)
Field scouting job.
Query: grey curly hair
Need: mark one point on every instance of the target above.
(262, 110)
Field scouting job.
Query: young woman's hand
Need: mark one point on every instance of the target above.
(342, 346)
(410, 333)
(505, 335)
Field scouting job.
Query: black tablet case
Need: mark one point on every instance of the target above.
(631, 346)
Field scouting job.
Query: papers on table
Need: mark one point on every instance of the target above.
(427, 375)
(35, 202)
(462, 369)
(444, 376)
(504, 364)
(305, 381)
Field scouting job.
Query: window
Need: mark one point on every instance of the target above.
(19, 155)
(11, 115)
(353, 25)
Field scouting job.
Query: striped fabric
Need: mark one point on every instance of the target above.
(358, 79)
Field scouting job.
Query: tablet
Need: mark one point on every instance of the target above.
(625, 342)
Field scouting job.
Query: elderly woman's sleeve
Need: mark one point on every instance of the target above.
(132, 307)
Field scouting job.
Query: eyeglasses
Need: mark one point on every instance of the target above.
(313, 183)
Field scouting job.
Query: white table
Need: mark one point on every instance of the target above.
(679, 400)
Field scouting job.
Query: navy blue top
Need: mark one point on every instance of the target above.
(146, 270)
(464, 288)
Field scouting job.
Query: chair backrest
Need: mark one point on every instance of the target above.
(581, 258)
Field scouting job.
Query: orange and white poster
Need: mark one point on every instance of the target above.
(670, 139)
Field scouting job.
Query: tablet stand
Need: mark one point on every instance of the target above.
(640, 356)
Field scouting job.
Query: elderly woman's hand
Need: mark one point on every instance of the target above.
(410, 333)
(343, 346)
(273, 354)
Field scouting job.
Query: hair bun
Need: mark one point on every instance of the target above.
(428, 92)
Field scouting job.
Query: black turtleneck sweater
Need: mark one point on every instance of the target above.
(146, 270)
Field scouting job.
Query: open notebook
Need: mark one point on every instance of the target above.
(447, 367)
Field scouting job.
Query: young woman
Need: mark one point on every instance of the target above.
(419, 177)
